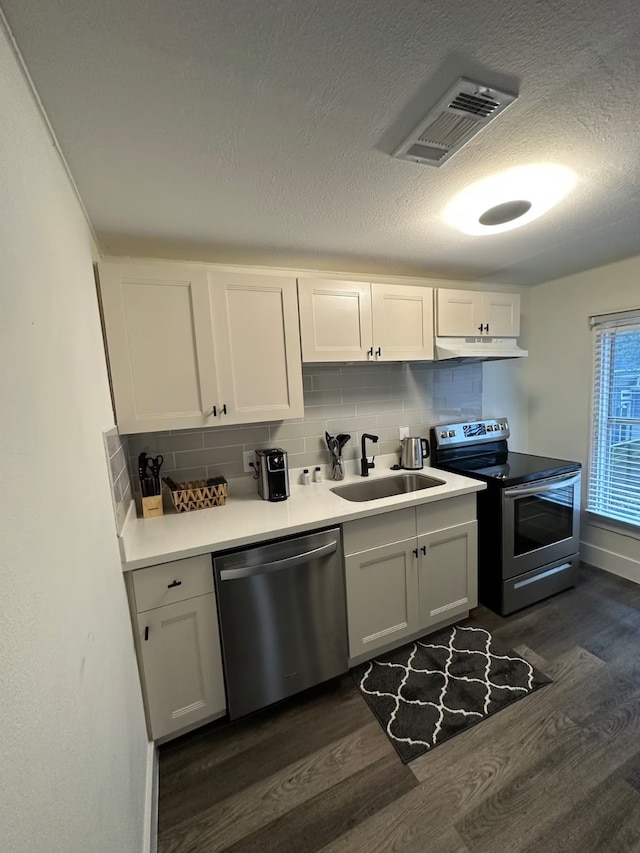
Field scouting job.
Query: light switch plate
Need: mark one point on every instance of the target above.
(403, 432)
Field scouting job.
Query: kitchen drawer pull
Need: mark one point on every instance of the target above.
(424, 550)
(174, 583)
(415, 552)
(146, 633)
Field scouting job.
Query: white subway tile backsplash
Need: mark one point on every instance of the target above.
(321, 413)
(290, 445)
(236, 436)
(208, 456)
(117, 451)
(390, 419)
(322, 398)
(352, 425)
(350, 398)
(333, 381)
(287, 429)
(365, 395)
(378, 407)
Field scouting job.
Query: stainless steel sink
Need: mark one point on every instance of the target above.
(386, 487)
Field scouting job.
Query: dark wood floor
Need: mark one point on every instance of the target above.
(558, 771)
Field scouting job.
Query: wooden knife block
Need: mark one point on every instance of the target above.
(152, 506)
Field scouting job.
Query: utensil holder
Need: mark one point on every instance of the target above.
(337, 468)
(198, 495)
(152, 506)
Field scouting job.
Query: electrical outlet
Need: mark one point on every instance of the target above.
(248, 458)
(403, 432)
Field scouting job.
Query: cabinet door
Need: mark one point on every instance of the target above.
(255, 324)
(501, 313)
(382, 600)
(182, 664)
(157, 320)
(402, 322)
(458, 313)
(335, 320)
(448, 572)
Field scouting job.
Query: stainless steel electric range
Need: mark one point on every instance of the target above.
(528, 517)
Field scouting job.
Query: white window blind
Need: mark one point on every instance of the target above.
(614, 465)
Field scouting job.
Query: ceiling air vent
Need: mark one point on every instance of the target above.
(458, 116)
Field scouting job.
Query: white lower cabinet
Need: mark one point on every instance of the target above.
(178, 645)
(447, 572)
(399, 588)
(381, 594)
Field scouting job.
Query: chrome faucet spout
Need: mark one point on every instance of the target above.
(365, 465)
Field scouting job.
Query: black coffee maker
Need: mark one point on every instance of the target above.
(273, 474)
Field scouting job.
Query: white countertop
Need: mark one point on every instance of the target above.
(246, 518)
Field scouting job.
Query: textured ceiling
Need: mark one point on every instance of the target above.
(261, 131)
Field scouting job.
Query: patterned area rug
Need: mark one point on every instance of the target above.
(428, 691)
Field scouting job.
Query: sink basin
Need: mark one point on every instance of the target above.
(386, 487)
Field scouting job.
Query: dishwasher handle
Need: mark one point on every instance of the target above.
(279, 565)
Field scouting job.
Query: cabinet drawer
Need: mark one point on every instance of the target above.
(445, 513)
(366, 533)
(171, 582)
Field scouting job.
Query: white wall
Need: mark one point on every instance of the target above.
(74, 748)
(504, 383)
(559, 375)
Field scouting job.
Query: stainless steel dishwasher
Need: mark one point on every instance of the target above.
(282, 618)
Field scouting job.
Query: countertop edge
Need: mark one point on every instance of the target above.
(347, 513)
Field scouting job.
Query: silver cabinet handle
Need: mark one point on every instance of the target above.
(544, 486)
(279, 565)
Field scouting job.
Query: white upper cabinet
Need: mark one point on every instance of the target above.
(157, 320)
(335, 320)
(474, 313)
(352, 321)
(402, 322)
(191, 346)
(255, 326)
(502, 314)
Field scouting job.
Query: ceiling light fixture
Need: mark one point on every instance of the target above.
(509, 199)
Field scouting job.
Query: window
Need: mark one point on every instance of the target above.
(614, 469)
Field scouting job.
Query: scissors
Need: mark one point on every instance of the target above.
(154, 466)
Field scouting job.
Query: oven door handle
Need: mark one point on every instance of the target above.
(544, 486)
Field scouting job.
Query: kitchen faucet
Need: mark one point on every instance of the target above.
(364, 464)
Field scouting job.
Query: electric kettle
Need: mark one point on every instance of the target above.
(414, 452)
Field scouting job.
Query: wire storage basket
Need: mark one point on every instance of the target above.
(198, 494)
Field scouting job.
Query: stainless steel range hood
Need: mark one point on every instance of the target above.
(478, 349)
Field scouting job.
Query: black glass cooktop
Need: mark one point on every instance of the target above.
(507, 468)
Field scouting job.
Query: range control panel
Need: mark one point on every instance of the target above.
(471, 432)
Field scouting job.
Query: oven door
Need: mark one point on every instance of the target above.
(541, 523)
